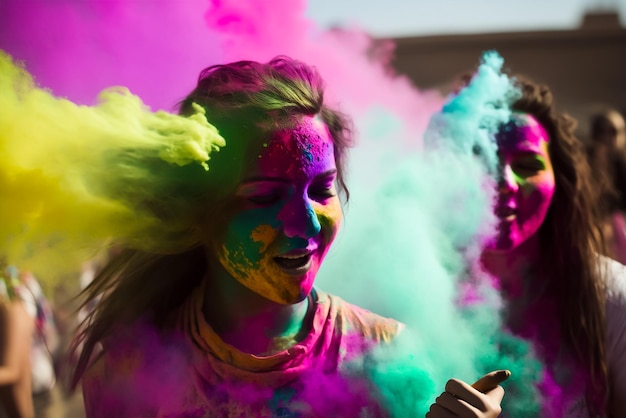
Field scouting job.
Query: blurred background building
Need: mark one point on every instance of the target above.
(577, 47)
(585, 67)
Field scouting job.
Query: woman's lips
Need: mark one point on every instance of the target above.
(294, 263)
(506, 213)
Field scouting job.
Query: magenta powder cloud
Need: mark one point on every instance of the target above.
(157, 48)
(77, 48)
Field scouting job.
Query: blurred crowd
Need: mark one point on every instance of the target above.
(38, 321)
(607, 157)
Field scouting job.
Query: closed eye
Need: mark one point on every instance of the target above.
(528, 168)
(322, 192)
(264, 199)
(323, 187)
(529, 165)
(261, 193)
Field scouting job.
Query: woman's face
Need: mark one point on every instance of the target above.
(526, 184)
(287, 214)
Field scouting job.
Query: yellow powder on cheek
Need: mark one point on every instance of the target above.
(330, 214)
(264, 234)
(265, 280)
(262, 278)
(235, 263)
(270, 283)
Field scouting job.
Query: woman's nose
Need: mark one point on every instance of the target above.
(299, 218)
(507, 183)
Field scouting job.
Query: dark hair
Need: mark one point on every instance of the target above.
(246, 101)
(571, 240)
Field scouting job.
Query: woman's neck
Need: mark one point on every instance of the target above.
(248, 321)
(513, 269)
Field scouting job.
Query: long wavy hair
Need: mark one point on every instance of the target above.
(247, 101)
(571, 240)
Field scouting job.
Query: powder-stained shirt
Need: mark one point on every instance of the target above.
(567, 399)
(614, 275)
(197, 374)
(616, 335)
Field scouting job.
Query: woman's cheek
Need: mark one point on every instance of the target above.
(264, 235)
(330, 216)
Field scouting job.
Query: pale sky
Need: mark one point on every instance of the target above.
(424, 17)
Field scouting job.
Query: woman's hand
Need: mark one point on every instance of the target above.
(480, 400)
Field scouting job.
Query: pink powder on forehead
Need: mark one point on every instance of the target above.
(522, 128)
(296, 152)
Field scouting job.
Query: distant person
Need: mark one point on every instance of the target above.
(45, 340)
(607, 157)
(16, 332)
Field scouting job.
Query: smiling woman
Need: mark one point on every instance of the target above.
(233, 325)
(559, 294)
(526, 181)
(288, 188)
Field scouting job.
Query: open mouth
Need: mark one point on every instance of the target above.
(507, 214)
(294, 264)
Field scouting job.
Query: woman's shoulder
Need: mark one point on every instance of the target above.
(357, 320)
(613, 274)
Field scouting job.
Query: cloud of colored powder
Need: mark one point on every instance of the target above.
(415, 219)
(69, 184)
(410, 250)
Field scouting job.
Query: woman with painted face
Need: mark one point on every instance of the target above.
(231, 324)
(560, 294)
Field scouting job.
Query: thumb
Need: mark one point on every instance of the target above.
(491, 381)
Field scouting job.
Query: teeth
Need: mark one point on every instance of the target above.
(293, 257)
(505, 213)
(293, 262)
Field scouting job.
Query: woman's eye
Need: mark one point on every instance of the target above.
(531, 166)
(264, 199)
(322, 192)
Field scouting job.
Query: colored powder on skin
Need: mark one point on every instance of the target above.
(264, 234)
(68, 183)
(244, 250)
(398, 253)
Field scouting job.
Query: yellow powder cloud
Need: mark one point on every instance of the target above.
(73, 178)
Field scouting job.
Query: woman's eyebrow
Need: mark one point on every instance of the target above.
(329, 173)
